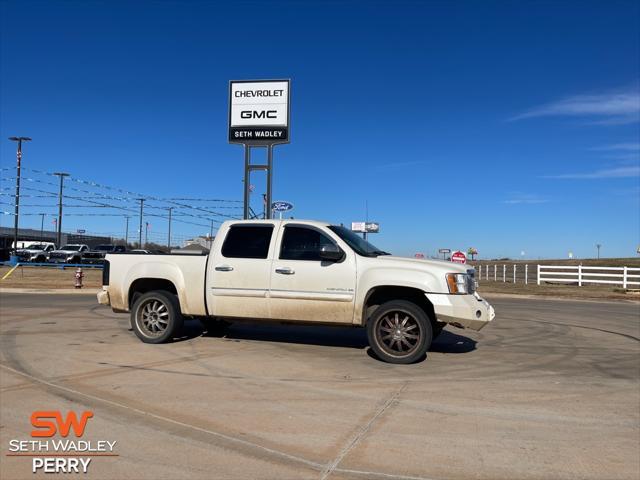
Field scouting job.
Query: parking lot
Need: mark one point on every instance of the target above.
(550, 389)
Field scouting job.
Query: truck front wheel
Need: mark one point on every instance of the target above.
(156, 317)
(399, 332)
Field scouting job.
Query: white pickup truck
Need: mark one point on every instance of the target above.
(296, 271)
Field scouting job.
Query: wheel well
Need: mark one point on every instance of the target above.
(379, 295)
(144, 285)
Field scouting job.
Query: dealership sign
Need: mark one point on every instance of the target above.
(259, 112)
(281, 206)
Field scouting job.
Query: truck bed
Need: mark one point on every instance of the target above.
(186, 272)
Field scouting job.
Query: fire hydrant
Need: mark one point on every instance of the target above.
(79, 276)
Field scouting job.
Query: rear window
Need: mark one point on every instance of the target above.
(247, 241)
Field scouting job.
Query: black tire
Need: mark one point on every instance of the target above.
(156, 317)
(399, 332)
(214, 326)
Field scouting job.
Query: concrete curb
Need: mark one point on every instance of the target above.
(51, 291)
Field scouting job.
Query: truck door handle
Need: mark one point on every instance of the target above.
(285, 270)
(224, 268)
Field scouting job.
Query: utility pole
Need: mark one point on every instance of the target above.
(42, 226)
(598, 245)
(169, 232)
(17, 203)
(59, 236)
(146, 233)
(126, 231)
(211, 235)
(141, 200)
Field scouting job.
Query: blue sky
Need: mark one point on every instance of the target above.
(507, 126)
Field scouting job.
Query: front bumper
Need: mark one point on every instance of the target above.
(465, 311)
(57, 260)
(103, 297)
(93, 261)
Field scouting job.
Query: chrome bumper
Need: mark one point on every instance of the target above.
(464, 311)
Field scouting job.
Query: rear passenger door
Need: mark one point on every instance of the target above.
(304, 287)
(238, 276)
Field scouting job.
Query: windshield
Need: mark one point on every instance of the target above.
(104, 248)
(35, 247)
(75, 248)
(355, 241)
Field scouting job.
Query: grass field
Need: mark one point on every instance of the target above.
(49, 277)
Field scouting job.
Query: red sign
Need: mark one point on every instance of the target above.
(458, 257)
(419, 255)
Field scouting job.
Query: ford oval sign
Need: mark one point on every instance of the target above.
(281, 206)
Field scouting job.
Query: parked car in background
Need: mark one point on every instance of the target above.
(140, 251)
(68, 254)
(96, 255)
(35, 252)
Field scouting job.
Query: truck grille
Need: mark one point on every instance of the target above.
(58, 255)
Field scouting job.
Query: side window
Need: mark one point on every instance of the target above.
(247, 241)
(301, 243)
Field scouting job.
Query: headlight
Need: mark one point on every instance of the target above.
(458, 283)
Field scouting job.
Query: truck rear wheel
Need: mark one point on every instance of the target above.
(399, 332)
(156, 317)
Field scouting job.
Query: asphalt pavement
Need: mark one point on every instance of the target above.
(550, 389)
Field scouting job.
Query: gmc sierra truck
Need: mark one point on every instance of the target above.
(295, 271)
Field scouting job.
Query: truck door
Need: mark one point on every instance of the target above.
(303, 286)
(238, 277)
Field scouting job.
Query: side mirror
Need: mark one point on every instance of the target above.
(331, 253)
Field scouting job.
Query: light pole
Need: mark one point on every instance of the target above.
(141, 200)
(169, 233)
(598, 245)
(17, 206)
(42, 227)
(146, 233)
(211, 235)
(59, 237)
(126, 233)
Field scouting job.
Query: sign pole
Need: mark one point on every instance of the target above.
(269, 179)
(247, 159)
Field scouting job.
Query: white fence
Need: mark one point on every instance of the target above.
(627, 277)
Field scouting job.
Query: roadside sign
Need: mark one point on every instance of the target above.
(281, 206)
(372, 227)
(419, 255)
(259, 112)
(365, 227)
(81, 231)
(458, 257)
(444, 250)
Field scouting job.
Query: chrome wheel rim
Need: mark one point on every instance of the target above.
(152, 318)
(398, 333)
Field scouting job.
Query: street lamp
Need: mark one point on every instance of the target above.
(19, 140)
(59, 237)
